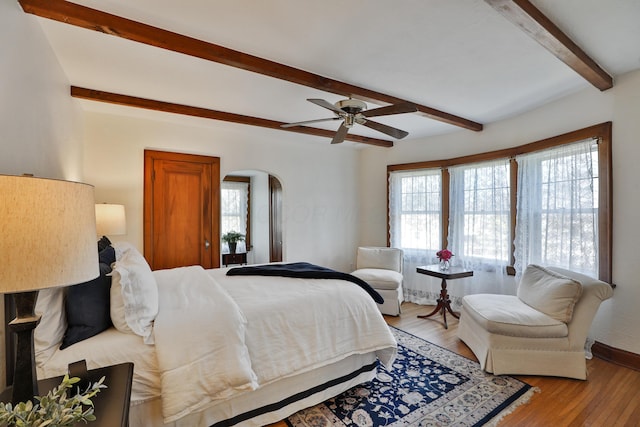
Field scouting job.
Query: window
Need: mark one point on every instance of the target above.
(480, 217)
(557, 221)
(546, 202)
(235, 208)
(416, 216)
(415, 225)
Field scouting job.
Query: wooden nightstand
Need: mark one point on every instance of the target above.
(111, 404)
(238, 258)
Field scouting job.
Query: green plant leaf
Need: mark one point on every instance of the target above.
(55, 409)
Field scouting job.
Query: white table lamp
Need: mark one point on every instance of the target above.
(110, 220)
(47, 239)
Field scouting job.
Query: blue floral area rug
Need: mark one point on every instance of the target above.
(427, 386)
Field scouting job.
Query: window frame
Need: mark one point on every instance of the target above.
(602, 132)
(428, 173)
(502, 213)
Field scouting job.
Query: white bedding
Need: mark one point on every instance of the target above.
(321, 320)
(286, 326)
(211, 364)
(109, 348)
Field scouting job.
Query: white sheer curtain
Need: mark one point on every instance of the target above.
(415, 219)
(557, 208)
(479, 227)
(234, 199)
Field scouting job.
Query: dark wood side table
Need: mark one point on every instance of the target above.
(237, 258)
(444, 303)
(111, 404)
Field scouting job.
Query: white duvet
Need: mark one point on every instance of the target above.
(218, 336)
(200, 342)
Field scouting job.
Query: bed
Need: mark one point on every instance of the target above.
(211, 349)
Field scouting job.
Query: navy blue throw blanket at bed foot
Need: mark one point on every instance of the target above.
(304, 270)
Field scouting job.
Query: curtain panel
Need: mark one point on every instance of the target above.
(415, 218)
(479, 227)
(557, 208)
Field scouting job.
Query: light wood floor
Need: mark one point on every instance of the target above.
(609, 397)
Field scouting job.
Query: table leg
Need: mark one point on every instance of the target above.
(457, 316)
(443, 305)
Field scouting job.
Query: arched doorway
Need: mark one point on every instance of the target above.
(251, 203)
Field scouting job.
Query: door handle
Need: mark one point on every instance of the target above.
(206, 244)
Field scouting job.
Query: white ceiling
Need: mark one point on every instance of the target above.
(458, 56)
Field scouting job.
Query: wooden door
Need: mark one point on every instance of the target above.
(275, 219)
(181, 210)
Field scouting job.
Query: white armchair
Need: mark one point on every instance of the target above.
(541, 331)
(382, 269)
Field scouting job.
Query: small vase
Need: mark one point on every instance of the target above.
(232, 247)
(444, 264)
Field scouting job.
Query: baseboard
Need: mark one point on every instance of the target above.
(617, 356)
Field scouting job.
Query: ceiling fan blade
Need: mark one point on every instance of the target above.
(306, 122)
(405, 107)
(326, 104)
(391, 131)
(340, 135)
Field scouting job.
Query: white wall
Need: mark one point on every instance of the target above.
(617, 320)
(39, 123)
(319, 181)
(260, 217)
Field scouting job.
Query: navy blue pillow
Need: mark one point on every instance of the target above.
(87, 305)
(107, 256)
(103, 243)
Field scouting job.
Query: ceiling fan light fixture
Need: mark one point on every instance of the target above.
(351, 106)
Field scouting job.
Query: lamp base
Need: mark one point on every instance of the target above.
(25, 380)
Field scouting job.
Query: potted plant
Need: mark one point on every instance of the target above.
(232, 238)
(59, 408)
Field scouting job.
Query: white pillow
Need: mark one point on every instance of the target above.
(549, 292)
(49, 332)
(121, 247)
(378, 257)
(134, 294)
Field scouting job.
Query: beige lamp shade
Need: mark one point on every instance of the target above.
(47, 233)
(110, 220)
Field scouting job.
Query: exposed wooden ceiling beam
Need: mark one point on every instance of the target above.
(526, 16)
(169, 107)
(92, 19)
